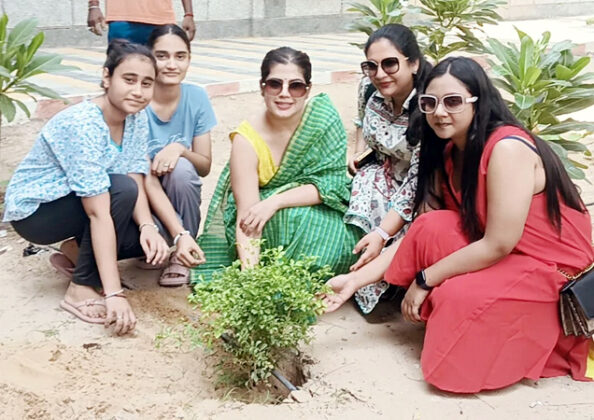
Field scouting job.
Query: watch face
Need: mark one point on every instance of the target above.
(422, 281)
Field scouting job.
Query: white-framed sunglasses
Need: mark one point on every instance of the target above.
(453, 103)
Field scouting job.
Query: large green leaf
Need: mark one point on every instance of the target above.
(506, 56)
(3, 25)
(33, 88)
(562, 72)
(46, 63)
(524, 101)
(575, 173)
(22, 106)
(526, 56)
(569, 125)
(21, 33)
(5, 73)
(531, 76)
(7, 108)
(34, 45)
(569, 106)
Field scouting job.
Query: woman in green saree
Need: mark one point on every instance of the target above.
(286, 180)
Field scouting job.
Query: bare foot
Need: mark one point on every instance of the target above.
(70, 250)
(77, 293)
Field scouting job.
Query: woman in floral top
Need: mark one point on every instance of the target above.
(84, 178)
(383, 190)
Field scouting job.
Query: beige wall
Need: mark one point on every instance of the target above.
(64, 21)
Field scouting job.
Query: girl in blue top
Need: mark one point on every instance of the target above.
(180, 119)
(84, 178)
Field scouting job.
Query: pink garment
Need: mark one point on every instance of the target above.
(493, 327)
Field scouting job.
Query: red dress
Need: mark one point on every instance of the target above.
(493, 327)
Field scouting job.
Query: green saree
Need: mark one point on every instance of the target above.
(316, 155)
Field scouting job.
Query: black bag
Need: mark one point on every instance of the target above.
(576, 303)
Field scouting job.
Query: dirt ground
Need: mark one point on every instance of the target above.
(53, 366)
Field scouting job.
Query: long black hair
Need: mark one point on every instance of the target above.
(404, 40)
(490, 112)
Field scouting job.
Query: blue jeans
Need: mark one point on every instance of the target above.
(132, 31)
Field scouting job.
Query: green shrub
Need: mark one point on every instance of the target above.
(544, 83)
(252, 318)
(19, 61)
(441, 26)
(378, 14)
(450, 25)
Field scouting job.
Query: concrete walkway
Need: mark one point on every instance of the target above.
(228, 66)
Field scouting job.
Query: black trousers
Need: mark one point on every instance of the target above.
(64, 218)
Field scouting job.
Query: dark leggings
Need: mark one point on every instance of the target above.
(65, 217)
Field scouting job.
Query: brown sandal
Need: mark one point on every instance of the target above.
(176, 274)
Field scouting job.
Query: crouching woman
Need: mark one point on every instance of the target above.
(84, 179)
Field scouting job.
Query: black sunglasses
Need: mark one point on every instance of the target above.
(275, 86)
(389, 65)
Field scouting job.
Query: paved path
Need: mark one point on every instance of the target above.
(227, 66)
(223, 66)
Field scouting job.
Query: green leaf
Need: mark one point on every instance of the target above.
(46, 63)
(7, 108)
(5, 73)
(531, 76)
(34, 45)
(524, 101)
(22, 106)
(21, 33)
(569, 125)
(526, 55)
(580, 64)
(562, 72)
(3, 25)
(570, 106)
(573, 172)
(43, 91)
(578, 164)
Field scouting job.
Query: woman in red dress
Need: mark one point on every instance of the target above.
(483, 271)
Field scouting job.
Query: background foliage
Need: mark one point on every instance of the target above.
(544, 83)
(451, 25)
(19, 61)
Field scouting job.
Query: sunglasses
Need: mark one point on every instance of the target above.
(273, 87)
(389, 65)
(453, 103)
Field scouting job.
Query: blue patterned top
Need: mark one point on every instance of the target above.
(75, 152)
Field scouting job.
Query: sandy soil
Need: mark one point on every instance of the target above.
(55, 367)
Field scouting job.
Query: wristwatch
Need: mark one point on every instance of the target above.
(421, 281)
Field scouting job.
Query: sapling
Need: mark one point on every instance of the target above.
(252, 318)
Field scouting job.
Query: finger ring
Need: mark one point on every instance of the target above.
(166, 165)
(90, 28)
(119, 317)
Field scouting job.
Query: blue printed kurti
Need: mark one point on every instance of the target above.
(75, 152)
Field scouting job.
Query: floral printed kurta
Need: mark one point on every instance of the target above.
(388, 183)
